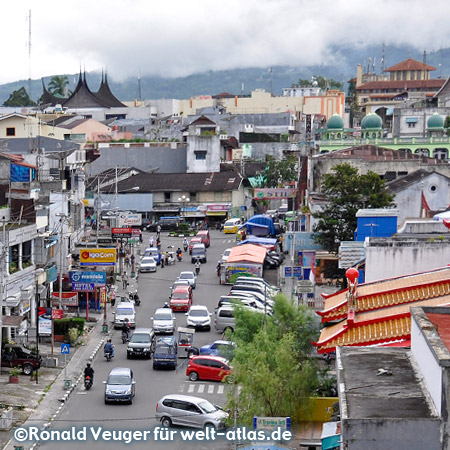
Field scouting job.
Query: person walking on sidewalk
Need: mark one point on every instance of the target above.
(113, 297)
(158, 231)
(124, 280)
(150, 241)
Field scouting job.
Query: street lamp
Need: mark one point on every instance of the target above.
(183, 200)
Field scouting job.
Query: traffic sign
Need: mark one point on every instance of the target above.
(65, 349)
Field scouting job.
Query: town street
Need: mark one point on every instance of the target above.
(87, 408)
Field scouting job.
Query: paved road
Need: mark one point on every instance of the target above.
(88, 408)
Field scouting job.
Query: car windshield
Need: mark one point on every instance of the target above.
(186, 276)
(165, 350)
(207, 407)
(198, 312)
(163, 316)
(148, 261)
(229, 223)
(124, 312)
(226, 252)
(119, 379)
(140, 338)
(180, 295)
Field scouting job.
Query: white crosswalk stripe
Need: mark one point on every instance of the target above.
(201, 388)
(210, 389)
(220, 389)
(191, 389)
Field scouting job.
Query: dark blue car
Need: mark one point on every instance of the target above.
(219, 348)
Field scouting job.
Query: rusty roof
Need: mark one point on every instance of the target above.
(409, 64)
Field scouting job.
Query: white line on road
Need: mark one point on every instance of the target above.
(191, 388)
(181, 388)
(210, 389)
(220, 389)
(201, 389)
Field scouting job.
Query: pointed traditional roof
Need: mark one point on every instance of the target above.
(49, 98)
(382, 309)
(82, 96)
(105, 95)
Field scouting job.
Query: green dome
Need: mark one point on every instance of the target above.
(372, 121)
(435, 121)
(335, 122)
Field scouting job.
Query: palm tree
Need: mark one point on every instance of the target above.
(58, 85)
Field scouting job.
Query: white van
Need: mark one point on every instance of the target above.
(125, 310)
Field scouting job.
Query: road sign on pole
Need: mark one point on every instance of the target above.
(65, 349)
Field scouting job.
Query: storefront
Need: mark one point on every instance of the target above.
(216, 213)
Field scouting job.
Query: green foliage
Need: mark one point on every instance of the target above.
(347, 191)
(183, 226)
(15, 372)
(272, 363)
(62, 326)
(73, 335)
(19, 97)
(279, 172)
(447, 125)
(322, 82)
(58, 86)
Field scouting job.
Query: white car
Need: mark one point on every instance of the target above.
(163, 321)
(225, 255)
(199, 317)
(188, 276)
(148, 264)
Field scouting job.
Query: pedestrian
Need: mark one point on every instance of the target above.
(140, 237)
(158, 231)
(280, 243)
(163, 258)
(124, 280)
(127, 262)
(150, 241)
(158, 243)
(132, 259)
(113, 297)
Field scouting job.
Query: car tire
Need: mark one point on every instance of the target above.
(128, 356)
(208, 329)
(106, 401)
(130, 401)
(193, 376)
(154, 366)
(209, 426)
(166, 422)
(27, 369)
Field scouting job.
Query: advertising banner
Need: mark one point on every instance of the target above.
(97, 278)
(275, 193)
(68, 298)
(45, 326)
(121, 232)
(97, 256)
(57, 314)
(129, 220)
(83, 287)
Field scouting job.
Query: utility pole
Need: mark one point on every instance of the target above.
(2, 275)
(97, 210)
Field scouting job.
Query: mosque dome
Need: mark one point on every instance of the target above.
(435, 122)
(335, 122)
(372, 121)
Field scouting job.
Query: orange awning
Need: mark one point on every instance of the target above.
(247, 252)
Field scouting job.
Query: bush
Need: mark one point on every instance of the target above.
(61, 326)
(183, 226)
(73, 335)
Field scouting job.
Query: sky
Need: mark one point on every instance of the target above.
(178, 38)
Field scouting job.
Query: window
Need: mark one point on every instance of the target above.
(193, 196)
(26, 254)
(411, 125)
(167, 196)
(200, 155)
(10, 132)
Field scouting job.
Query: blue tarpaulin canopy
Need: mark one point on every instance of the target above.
(258, 240)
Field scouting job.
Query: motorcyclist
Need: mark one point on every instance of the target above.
(179, 253)
(185, 244)
(109, 348)
(126, 328)
(136, 299)
(166, 305)
(89, 372)
(219, 263)
(197, 266)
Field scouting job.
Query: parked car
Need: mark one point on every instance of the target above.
(199, 317)
(264, 299)
(167, 224)
(231, 226)
(198, 253)
(142, 343)
(154, 253)
(147, 264)
(250, 301)
(166, 353)
(219, 348)
(185, 410)
(181, 298)
(207, 367)
(204, 235)
(260, 280)
(188, 275)
(224, 318)
(268, 289)
(14, 355)
(193, 241)
(163, 321)
(120, 385)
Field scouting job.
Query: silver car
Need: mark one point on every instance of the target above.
(188, 276)
(163, 321)
(185, 410)
(120, 385)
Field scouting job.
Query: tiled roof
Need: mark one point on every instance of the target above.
(373, 327)
(74, 124)
(350, 253)
(401, 85)
(378, 295)
(202, 120)
(409, 64)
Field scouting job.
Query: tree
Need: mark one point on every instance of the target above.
(279, 172)
(322, 82)
(346, 192)
(58, 86)
(19, 98)
(273, 371)
(447, 125)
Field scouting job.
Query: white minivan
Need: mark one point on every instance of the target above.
(125, 310)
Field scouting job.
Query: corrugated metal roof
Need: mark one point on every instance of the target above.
(350, 253)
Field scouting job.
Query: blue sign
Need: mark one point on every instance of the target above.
(65, 349)
(89, 287)
(52, 274)
(97, 278)
(297, 272)
(288, 271)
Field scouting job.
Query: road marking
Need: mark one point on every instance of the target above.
(210, 389)
(201, 388)
(220, 389)
(191, 388)
(81, 392)
(181, 387)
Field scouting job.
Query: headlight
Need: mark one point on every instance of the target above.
(108, 391)
(127, 392)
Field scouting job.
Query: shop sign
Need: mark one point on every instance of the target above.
(97, 278)
(52, 274)
(121, 232)
(57, 313)
(68, 298)
(275, 193)
(129, 220)
(97, 256)
(83, 287)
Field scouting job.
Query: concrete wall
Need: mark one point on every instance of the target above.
(209, 144)
(395, 259)
(166, 157)
(390, 434)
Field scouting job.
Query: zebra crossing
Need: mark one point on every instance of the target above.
(201, 388)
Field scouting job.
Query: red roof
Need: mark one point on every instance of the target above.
(442, 324)
(402, 84)
(247, 252)
(409, 64)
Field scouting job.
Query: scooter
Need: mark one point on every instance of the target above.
(87, 382)
(179, 257)
(197, 269)
(109, 355)
(132, 295)
(125, 337)
(185, 247)
(137, 300)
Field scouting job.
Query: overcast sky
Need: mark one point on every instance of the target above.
(178, 38)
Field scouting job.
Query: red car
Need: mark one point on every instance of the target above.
(204, 235)
(181, 298)
(194, 240)
(205, 367)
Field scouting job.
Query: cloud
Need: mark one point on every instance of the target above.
(178, 38)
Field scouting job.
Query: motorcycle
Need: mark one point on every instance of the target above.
(125, 337)
(185, 247)
(179, 257)
(132, 296)
(218, 268)
(87, 382)
(197, 269)
(137, 300)
(109, 355)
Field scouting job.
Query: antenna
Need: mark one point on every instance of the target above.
(382, 67)
(139, 85)
(29, 53)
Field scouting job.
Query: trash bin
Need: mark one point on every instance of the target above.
(67, 384)
(105, 328)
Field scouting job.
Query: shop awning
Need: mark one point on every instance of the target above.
(247, 253)
(412, 120)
